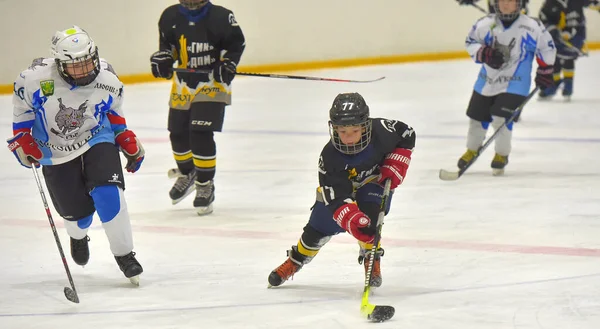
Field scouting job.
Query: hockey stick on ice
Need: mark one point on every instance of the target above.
(454, 175)
(376, 313)
(281, 76)
(70, 293)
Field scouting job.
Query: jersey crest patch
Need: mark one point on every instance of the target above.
(47, 87)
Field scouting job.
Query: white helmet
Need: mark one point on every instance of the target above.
(76, 56)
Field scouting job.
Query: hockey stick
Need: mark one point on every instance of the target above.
(454, 175)
(281, 76)
(376, 313)
(479, 8)
(70, 293)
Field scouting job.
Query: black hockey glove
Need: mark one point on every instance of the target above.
(465, 2)
(162, 64)
(490, 56)
(544, 77)
(225, 71)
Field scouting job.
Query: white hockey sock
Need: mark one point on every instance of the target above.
(112, 210)
(476, 134)
(503, 140)
(74, 230)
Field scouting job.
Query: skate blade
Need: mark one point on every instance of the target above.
(567, 99)
(203, 211)
(497, 172)
(135, 280)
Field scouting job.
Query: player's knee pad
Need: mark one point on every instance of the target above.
(108, 200)
(309, 245)
(180, 140)
(85, 222)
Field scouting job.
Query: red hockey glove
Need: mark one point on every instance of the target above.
(25, 149)
(132, 149)
(351, 219)
(490, 56)
(544, 76)
(395, 166)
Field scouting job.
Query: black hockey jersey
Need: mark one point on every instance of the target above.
(564, 17)
(340, 174)
(200, 41)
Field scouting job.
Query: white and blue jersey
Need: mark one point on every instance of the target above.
(523, 41)
(66, 121)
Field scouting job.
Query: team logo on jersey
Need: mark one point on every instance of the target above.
(389, 125)
(232, 20)
(352, 173)
(47, 87)
(69, 120)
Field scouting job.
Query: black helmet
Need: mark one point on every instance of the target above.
(350, 109)
(508, 17)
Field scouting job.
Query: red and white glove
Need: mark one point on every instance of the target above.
(132, 149)
(25, 149)
(395, 166)
(351, 219)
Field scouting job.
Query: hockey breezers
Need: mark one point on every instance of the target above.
(376, 313)
(70, 293)
(281, 76)
(454, 175)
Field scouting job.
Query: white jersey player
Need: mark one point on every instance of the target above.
(506, 43)
(67, 117)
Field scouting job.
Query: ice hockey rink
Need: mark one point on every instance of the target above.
(518, 251)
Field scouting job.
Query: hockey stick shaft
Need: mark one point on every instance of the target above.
(368, 309)
(487, 143)
(281, 76)
(479, 8)
(72, 296)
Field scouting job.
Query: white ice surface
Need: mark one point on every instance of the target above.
(519, 251)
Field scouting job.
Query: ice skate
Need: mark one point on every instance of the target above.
(365, 258)
(205, 195)
(184, 185)
(548, 93)
(285, 271)
(498, 164)
(466, 158)
(80, 250)
(130, 267)
(567, 91)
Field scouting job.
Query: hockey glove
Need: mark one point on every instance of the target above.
(544, 77)
(395, 166)
(465, 2)
(25, 149)
(351, 219)
(225, 71)
(132, 149)
(162, 64)
(490, 56)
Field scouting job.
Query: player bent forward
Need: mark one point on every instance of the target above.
(361, 154)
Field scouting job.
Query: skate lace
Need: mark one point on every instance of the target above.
(182, 183)
(204, 191)
(287, 269)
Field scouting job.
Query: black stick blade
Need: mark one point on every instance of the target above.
(382, 313)
(71, 295)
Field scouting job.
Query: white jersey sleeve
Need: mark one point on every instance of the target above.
(523, 41)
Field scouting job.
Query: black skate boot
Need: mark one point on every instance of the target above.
(205, 195)
(567, 91)
(286, 270)
(466, 158)
(130, 267)
(80, 250)
(498, 164)
(184, 186)
(365, 258)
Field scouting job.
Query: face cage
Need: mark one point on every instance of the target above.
(77, 63)
(511, 16)
(365, 139)
(193, 4)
